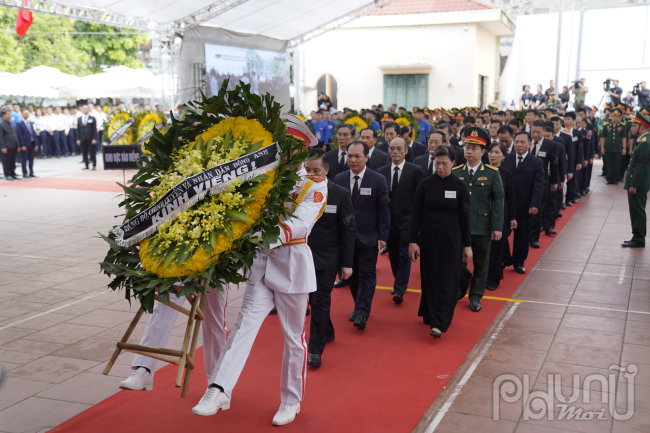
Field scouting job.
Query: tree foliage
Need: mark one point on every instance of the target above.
(49, 42)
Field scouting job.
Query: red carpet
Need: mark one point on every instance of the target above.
(382, 379)
(74, 184)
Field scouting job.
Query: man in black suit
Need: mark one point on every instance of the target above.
(415, 149)
(403, 178)
(549, 134)
(391, 132)
(453, 141)
(573, 187)
(338, 157)
(332, 245)
(376, 158)
(546, 150)
(425, 162)
(86, 136)
(27, 139)
(8, 144)
(561, 134)
(506, 135)
(370, 200)
(528, 173)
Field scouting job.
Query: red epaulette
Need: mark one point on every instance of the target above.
(316, 178)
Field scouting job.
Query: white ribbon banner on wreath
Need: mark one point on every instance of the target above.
(193, 189)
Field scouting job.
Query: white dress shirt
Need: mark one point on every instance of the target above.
(345, 157)
(522, 158)
(40, 123)
(363, 172)
(59, 122)
(392, 172)
(473, 169)
(370, 152)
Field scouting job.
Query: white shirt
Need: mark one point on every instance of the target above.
(40, 123)
(370, 152)
(399, 173)
(473, 169)
(85, 118)
(539, 144)
(345, 157)
(59, 122)
(522, 158)
(363, 172)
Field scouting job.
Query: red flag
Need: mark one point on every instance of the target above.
(23, 20)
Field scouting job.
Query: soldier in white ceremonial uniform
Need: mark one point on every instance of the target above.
(280, 277)
(160, 326)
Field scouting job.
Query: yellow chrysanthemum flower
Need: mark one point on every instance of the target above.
(403, 122)
(116, 123)
(197, 223)
(147, 123)
(358, 123)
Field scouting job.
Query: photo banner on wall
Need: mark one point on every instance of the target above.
(265, 71)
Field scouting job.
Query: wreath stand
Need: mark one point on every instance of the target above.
(183, 358)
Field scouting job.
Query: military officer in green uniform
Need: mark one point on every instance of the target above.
(613, 139)
(637, 181)
(486, 216)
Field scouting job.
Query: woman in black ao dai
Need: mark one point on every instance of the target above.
(441, 236)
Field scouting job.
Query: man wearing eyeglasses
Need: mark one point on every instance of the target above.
(338, 157)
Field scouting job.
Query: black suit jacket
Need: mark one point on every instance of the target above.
(377, 159)
(578, 147)
(87, 132)
(383, 146)
(371, 213)
(423, 163)
(333, 236)
(561, 158)
(401, 202)
(528, 180)
(569, 150)
(460, 152)
(335, 167)
(8, 135)
(416, 149)
(548, 153)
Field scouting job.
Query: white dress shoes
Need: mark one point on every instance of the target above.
(211, 402)
(139, 380)
(286, 414)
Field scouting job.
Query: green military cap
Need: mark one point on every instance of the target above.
(643, 116)
(618, 110)
(417, 110)
(476, 135)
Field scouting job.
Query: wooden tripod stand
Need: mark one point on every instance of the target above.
(183, 358)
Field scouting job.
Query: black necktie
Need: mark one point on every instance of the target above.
(342, 161)
(520, 158)
(430, 171)
(471, 172)
(534, 148)
(393, 187)
(355, 188)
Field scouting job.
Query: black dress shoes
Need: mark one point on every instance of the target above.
(632, 244)
(32, 175)
(340, 283)
(563, 206)
(384, 250)
(475, 305)
(85, 168)
(353, 317)
(534, 245)
(360, 322)
(574, 201)
(550, 232)
(491, 287)
(398, 299)
(308, 311)
(329, 340)
(314, 360)
(520, 270)
(435, 334)
(274, 311)
(569, 203)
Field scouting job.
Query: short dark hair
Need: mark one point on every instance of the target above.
(501, 113)
(539, 123)
(320, 154)
(452, 122)
(523, 133)
(498, 121)
(549, 129)
(506, 130)
(366, 149)
(406, 130)
(501, 146)
(393, 125)
(555, 119)
(486, 112)
(5, 111)
(515, 122)
(352, 129)
(570, 114)
(581, 110)
(445, 150)
(469, 119)
(447, 127)
(531, 110)
(374, 133)
(436, 131)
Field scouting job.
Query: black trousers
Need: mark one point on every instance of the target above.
(572, 187)
(321, 327)
(364, 279)
(398, 254)
(521, 240)
(545, 218)
(27, 160)
(9, 162)
(495, 268)
(88, 151)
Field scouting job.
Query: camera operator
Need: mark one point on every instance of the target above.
(580, 90)
(615, 93)
(629, 99)
(642, 94)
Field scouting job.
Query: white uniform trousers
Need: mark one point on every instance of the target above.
(258, 302)
(161, 323)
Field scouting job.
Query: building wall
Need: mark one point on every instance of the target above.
(453, 55)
